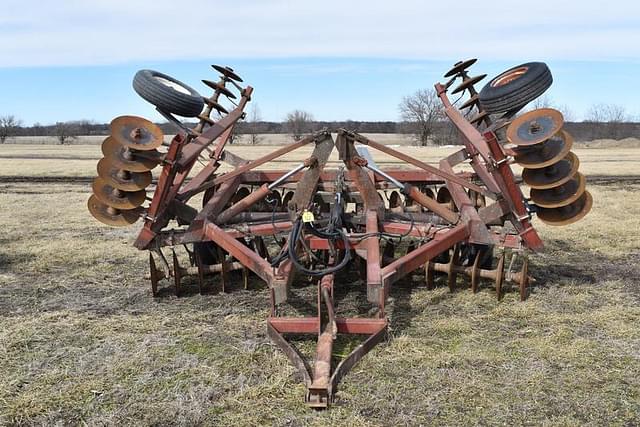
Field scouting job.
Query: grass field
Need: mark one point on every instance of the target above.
(83, 342)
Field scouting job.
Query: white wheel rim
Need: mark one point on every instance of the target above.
(173, 85)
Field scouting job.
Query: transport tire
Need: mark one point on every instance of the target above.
(168, 94)
(515, 88)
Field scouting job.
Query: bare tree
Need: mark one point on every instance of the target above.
(65, 131)
(8, 127)
(253, 125)
(84, 126)
(607, 113)
(612, 115)
(37, 129)
(299, 122)
(548, 102)
(422, 112)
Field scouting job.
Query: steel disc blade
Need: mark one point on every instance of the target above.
(240, 194)
(479, 117)
(111, 216)
(123, 180)
(219, 88)
(136, 133)
(460, 66)
(553, 175)
(288, 196)
(474, 100)
(227, 72)
(569, 214)
(128, 159)
(561, 195)
(468, 83)
(535, 126)
(395, 200)
(115, 198)
(542, 155)
(444, 197)
(216, 106)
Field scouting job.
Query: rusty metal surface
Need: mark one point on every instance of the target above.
(191, 151)
(122, 179)
(460, 66)
(418, 257)
(560, 195)
(320, 217)
(115, 197)
(568, 214)
(468, 83)
(513, 195)
(534, 127)
(306, 186)
(552, 175)
(354, 164)
(478, 232)
(243, 204)
(136, 133)
(128, 159)
(111, 216)
(546, 153)
(418, 163)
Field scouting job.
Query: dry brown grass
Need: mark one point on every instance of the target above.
(82, 340)
(80, 160)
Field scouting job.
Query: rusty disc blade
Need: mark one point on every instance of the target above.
(240, 194)
(542, 155)
(444, 197)
(460, 66)
(130, 160)
(121, 179)
(136, 133)
(553, 175)
(115, 198)
(111, 216)
(219, 88)
(467, 83)
(394, 200)
(561, 195)
(227, 72)
(568, 214)
(474, 100)
(479, 117)
(216, 106)
(535, 126)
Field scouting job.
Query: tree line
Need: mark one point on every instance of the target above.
(422, 117)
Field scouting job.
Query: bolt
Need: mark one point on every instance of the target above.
(126, 154)
(535, 127)
(136, 133)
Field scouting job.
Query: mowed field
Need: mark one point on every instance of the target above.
(82, 341)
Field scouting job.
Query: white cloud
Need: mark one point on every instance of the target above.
(76, 32)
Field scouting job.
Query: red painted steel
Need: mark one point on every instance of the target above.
(241, 208)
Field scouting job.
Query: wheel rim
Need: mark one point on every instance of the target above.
(173, 85)
(509, 76)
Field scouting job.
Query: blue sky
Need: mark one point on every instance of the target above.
(75, 59)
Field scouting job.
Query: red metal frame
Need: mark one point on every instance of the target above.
(432, 227)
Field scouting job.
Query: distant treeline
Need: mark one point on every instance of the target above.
(582, 131)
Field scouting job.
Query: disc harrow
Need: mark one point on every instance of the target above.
(463, 223)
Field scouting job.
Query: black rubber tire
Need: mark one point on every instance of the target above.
(531, 83)
(146, 83)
